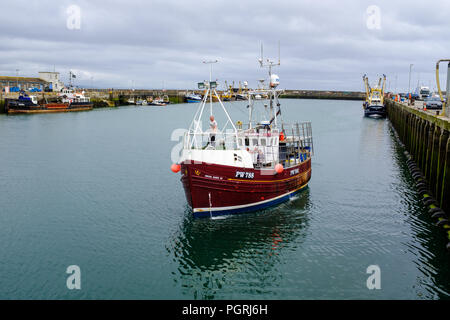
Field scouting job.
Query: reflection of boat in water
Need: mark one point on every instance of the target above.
(212, 253)
(244, 168)
(374, 103)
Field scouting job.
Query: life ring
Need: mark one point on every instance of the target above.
(281, 136)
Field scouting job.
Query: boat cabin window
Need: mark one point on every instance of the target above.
(263, 142)
(254, 142)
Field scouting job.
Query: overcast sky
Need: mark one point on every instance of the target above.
(325, 45)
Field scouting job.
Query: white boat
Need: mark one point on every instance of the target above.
(192, 98)
(158, 102)
(68, 95)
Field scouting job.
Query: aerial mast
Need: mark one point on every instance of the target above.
(274, 81)
(210, 62)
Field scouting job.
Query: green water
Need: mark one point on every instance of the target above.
(94, 189)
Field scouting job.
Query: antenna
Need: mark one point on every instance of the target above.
(210, 62)
(279, 58)
(261, 58)
(269, 63)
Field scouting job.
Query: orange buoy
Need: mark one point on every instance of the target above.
(279, 168)
(281, 136)
(175, 167)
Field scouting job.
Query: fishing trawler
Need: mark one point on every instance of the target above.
(374, 103)
(67, 101)
(241, 167)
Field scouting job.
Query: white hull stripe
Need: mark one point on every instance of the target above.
(246, 205)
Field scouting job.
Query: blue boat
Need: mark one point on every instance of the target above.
(192, 98)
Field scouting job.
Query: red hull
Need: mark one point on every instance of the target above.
(217, 188)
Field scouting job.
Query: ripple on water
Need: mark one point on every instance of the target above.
(95, 189)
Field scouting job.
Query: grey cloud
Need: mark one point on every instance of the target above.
(324, 44)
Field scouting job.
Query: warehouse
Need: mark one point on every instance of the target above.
(46, 80)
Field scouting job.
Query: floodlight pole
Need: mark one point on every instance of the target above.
(409, 83)
(210, 62)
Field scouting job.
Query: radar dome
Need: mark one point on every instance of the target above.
(274, 81)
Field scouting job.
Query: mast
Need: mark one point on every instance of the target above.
(273, 82)
(210, 62)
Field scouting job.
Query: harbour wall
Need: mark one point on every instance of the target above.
(116, 97)
(427, 139)
(320, 94)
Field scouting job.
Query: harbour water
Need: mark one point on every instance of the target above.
(95, 189)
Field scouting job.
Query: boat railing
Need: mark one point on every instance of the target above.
(289, 146)
(299, 131)
(296, 143)
(210, 140)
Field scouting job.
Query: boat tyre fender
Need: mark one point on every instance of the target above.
(424, 191)
(430, 202)
(439, 214)
(425, 200)
(434, 210)
(417, 176)
(412, 167)
(425, 196)
(442, 223)
(421, 184)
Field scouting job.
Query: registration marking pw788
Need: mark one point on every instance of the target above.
(245, 174)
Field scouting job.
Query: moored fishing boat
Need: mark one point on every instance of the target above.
(67, 101)
(193, 98)
(374, 103)
(158, 102)
(244, 167)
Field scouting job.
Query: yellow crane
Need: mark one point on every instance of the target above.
(444, 101)
(376, 94)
